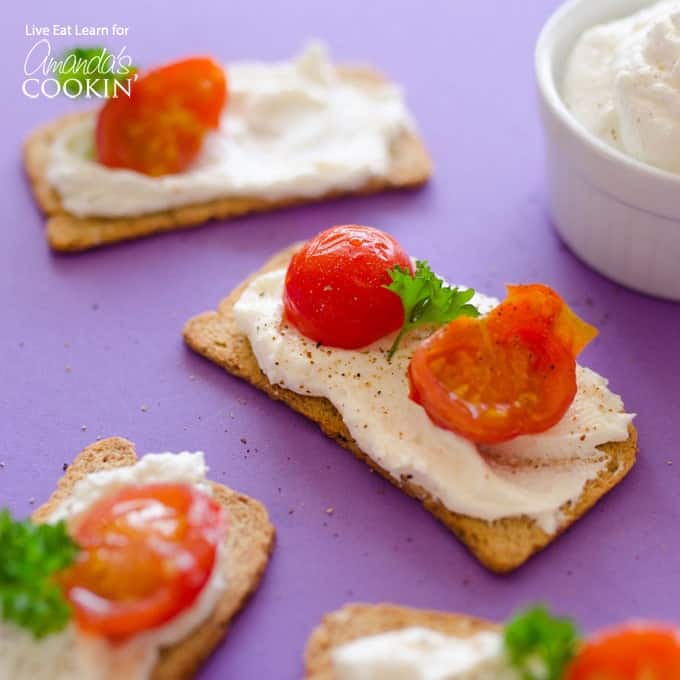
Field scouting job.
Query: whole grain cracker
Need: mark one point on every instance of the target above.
(355, 621)
(410, 167)
(501, 545)
(250, 540)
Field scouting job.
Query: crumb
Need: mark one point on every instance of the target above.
(67, 368)
(83, 428)
(31, 501)
(244, 440)
(242, 401)
(329, 511)
(2, 466)
(669, 462)
(291, 511)
(64, 467)
(143, 408)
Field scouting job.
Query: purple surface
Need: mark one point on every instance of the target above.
(91, 344)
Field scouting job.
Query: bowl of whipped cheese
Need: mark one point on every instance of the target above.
(609, 83)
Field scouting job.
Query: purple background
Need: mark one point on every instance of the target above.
(88, 340)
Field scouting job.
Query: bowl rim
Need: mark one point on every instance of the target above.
(549, 91)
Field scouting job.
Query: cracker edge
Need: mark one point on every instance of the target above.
(411, 167)
(502, 545)
(355, 621)
(250, 541)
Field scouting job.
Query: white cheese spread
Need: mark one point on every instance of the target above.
(622, 82)
(292, 129)
(422, 654)
(531, 475)
(73, 655)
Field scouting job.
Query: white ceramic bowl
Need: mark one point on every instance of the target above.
(618, 214)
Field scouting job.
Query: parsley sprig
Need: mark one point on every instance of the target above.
(538, 645)
(427, 299)
(30, 555)
(91, 69)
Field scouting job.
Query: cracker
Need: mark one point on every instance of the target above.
(355, 621)
(250, 540)
(501, 545)
(410, 167)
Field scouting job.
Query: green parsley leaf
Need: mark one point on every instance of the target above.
(91, 69)
(427, 299)
(30, 554)
(538, 645)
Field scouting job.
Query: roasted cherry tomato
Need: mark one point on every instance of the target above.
(335, 292)
(159, 128)
(632, 653)
(512, 372)
(146, 554)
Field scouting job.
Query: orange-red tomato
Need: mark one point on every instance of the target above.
(631, 653)
(159, 128)
(512, 372)
(146, 554)
(335, 287)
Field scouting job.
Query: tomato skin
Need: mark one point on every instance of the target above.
(146, 554)
(640, 652)
(159, 129)
(198, 83)
(510, 373)
(334, 292)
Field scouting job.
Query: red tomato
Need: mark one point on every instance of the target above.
(146, 554)
(159, 128)
(335, 292)
(512, 372)
(631, 653)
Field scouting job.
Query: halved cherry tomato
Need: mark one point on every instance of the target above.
(334, 292)
(632, 653)
(146, 554)
(512, 372)
(159, 128)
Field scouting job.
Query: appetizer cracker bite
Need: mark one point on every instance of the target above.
(196, 141)
(133, 569)
(476, 408)
(372, 642)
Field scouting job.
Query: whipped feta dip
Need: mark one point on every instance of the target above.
(419, 653)
(531, 475)
(622, 82)
(298, 128)
(74, 655)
